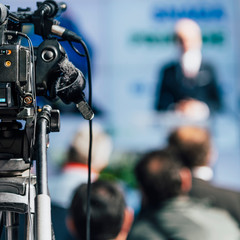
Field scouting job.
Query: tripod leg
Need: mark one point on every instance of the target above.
(1, 223)
(29, 229)
(12, 224)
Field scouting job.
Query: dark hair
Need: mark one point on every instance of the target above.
(192, 144)
(158, 175)
(107, 210)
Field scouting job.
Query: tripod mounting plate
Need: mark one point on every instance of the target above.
(13, 167)
(14, 194)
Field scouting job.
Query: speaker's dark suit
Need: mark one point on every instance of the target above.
(218, 197)
(173, 86)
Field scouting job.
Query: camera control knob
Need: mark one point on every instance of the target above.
(48, 55)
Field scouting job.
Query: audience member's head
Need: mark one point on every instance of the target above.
(101, 147)
(192, 144)
(161, 177)
(188, 34)
(108, 209)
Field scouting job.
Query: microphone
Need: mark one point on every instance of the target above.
(50, 8)
(69, 88)
(65, 34)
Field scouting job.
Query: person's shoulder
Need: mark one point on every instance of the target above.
(144, 229)
(208, 211)
(199, 184)
(207, 66)
(227, 190)
(213, 219)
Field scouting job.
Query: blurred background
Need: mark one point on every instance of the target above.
(129, 42)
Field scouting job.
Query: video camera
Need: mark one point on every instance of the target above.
(27, 72)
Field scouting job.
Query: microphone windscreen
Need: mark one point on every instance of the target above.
(68, 71)
(70, 84)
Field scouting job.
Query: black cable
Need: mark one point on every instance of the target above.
(90, 137)
(76, 50)
(89, 183)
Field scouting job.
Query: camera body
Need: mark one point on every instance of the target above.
(14, 69)
(17, 109)
(26, 73)
(17, 104)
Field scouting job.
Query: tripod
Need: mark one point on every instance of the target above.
(28, 194)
